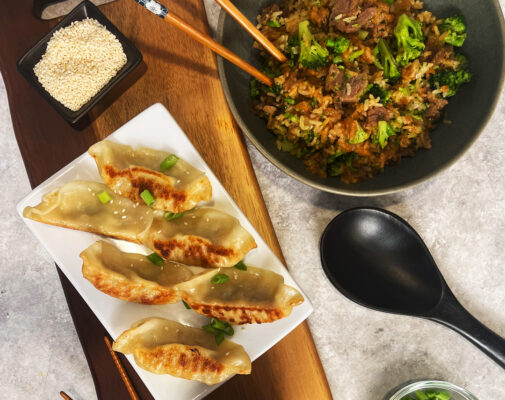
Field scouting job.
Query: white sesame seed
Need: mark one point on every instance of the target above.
(79, 61)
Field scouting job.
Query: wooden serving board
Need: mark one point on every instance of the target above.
(181, 74)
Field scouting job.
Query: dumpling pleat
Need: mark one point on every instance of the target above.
(128, 172)
(161, 346)
(202, 237)
(252, 296)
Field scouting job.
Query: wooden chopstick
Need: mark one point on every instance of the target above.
(122, 372)
(161, 11)
(253, 31)
(65, 396)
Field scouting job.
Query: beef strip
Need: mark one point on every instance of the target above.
(345, 8)
(348, 90)
(353, 88)
(376, 114)
(334, 79)
(433, 111)
(365, 19)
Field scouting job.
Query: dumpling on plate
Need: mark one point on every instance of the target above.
(92, 207)
(132, 277)
(161, 346)
(175, 185)
(254, 295)
(201, 237)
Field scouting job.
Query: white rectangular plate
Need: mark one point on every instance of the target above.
(155, 128)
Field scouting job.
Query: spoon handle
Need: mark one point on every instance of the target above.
(453, 315)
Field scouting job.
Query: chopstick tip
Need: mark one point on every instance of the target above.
(65, 396)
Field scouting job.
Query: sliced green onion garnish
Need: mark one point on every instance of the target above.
(216, 324)
(186, 305)
(290, 100)
(155, 259)
(148, 197)
(169, 162)
(219, 278)
(241, 266)
(273, 23)
(104, 197)
(169, 216)
(355, 55)
(228, 330)
(337, 59)
(209, 329)
(362, 35)
(219, 338)
(218, 329)
(222, 326)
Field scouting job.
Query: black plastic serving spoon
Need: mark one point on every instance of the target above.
(378, 260)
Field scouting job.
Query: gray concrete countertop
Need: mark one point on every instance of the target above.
(460, 214)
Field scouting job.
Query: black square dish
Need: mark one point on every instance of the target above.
(84, 10)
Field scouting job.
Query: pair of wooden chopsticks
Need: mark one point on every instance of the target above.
(131, 390)
(161, 11)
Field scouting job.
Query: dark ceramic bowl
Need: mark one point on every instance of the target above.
(469, 110)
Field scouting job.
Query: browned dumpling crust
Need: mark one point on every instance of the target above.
(202, 237)
(132, 277)
(128, 172)
(161, 346)
(255, 295)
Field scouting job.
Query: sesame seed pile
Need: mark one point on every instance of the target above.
(80, 60)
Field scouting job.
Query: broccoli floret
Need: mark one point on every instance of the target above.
(387, 61)
(257, 88)
(456, 30)
(456, 24)
(293, 50)
(410, 40)
(312, 54)
(463, 61)
(451, 78)
(360, 136)
(255, 92)
(377, 92)
(384, 132)
(338, 161)
(339, 45)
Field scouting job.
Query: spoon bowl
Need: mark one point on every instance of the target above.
(378, 260)
(404, 279)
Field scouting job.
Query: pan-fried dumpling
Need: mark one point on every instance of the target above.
(77, 205)
(132, 277)
(129, 172)
(255, 295)
(201, 237)
(161, 346)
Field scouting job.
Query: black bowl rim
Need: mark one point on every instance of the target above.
(131, 63)
(351, 192)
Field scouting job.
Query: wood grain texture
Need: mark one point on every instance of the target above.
(181, 74)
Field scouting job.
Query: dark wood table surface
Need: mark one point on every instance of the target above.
(182, 75)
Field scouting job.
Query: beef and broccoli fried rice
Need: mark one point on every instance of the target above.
(365, 81)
